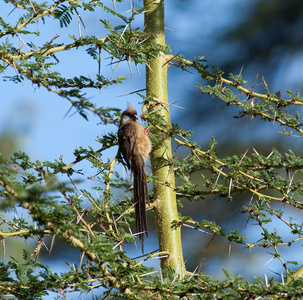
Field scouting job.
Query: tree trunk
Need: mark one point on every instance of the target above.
(161, 156)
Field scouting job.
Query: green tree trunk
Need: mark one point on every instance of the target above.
(161, 156)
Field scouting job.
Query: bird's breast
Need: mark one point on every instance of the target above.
(143, 145)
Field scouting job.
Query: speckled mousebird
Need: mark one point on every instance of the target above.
(135, 146)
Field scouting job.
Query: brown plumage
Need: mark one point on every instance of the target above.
(135, 147)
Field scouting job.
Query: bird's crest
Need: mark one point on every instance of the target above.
(131, 109)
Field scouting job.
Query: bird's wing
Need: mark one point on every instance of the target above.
(127, 139)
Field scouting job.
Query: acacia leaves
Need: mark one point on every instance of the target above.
(39, 63)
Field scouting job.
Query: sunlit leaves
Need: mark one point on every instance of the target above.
(64, 14)
(39, 65)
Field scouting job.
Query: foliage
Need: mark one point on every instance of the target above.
(99, 227)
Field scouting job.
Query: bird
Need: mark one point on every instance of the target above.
(135, 146)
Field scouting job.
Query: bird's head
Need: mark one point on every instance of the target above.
(129, 115)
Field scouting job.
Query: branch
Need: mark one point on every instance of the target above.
(22, 232)
(185, 62)
(76, 44)
(36, 16)
(68, 236)
(236, 181)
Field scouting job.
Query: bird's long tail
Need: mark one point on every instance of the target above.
(140, 197)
